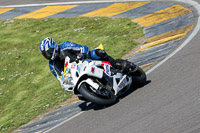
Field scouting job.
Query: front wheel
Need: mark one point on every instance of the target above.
(107, 97)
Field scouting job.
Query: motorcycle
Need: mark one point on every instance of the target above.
(97, 81)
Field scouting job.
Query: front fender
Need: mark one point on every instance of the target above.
(88, 71)
(90, 82)
(87, 80)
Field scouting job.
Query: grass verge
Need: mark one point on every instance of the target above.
(27, 87)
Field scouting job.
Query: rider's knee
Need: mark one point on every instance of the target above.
(97, 54)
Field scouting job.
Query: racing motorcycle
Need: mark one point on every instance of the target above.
(97, 81)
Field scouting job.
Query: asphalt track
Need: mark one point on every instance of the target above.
(170, 103)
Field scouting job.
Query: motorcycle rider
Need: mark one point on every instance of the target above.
(56, 55)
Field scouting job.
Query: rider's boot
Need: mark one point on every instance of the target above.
(126, 67)
(129, 68)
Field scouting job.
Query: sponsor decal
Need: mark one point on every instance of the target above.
(71, 43)
(73, 66)
(66, 64)
(107, 69)
(105, 62)
(92, 69)
(123, 83)
(78, 69)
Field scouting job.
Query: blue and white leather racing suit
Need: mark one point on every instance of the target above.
(69, 49)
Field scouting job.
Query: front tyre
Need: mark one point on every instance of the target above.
(90, 95)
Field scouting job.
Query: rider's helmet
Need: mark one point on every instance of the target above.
(49, 48)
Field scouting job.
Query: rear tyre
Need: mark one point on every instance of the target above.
(90, 95)
(139, 77)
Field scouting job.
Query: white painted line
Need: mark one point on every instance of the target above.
(69, 3)
(63, 122)
(77, 2)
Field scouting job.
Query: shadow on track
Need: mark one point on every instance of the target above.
(85, 106)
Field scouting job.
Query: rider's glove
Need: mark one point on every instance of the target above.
(81, 56)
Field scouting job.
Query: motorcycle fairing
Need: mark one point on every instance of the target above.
(91, 69)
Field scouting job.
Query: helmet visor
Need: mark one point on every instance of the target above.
(48, 54)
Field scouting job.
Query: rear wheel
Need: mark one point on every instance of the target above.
(139, 77)
(102, 97)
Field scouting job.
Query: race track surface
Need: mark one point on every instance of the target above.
(170, 103)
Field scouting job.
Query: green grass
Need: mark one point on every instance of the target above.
(27, 87)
